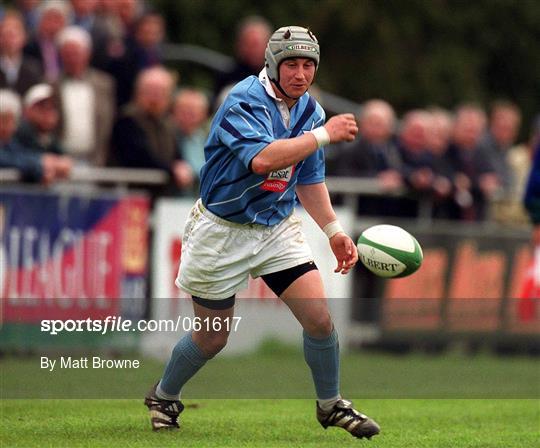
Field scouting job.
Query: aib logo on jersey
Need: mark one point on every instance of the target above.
(278, 180)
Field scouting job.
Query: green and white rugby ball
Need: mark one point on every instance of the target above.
(389, 251)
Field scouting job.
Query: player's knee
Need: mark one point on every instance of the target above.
(211, 343)
(319, 326)
(216, 344)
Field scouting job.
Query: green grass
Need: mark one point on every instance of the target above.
(264, 400)
(270, 423)
(280, 372)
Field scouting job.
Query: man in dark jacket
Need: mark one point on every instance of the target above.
(18, 72)
(43, 46)
(144, 136)
(476, 180)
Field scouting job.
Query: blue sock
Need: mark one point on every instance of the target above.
(186, 360)
(322, 357)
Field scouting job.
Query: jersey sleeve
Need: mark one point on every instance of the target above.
(246, 130)
(312, 170)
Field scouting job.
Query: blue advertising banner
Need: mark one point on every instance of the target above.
(70, 255)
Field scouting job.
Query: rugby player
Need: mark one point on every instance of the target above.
(265, 151)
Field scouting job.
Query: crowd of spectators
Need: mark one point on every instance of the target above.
(462, 161)
(83, 82)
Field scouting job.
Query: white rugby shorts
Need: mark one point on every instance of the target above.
(218, 255)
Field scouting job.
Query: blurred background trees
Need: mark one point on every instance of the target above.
(411, 53)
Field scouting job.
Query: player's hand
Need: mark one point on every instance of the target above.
(345, 252)
(341, 128)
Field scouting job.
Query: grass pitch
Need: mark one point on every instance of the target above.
(280, 372)
(260, 400)
(487, 423)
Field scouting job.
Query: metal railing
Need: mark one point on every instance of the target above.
(151, 177)
(87, 174)
(9, 175)
(124, 176)
(351, 188)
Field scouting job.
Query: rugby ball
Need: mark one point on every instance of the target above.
(389, 251)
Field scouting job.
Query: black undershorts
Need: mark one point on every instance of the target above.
(278, 282)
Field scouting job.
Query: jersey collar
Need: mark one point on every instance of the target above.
(281, 105)
(263, 78)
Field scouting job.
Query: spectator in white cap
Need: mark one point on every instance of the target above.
(33, 166)
(87, 99)
(52, 19)
(38, 130)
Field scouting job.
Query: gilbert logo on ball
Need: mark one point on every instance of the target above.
(389, 251)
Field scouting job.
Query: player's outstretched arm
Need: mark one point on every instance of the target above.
(283, 153)
(316, 200)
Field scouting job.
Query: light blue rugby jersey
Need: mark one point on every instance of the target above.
(244, 125)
